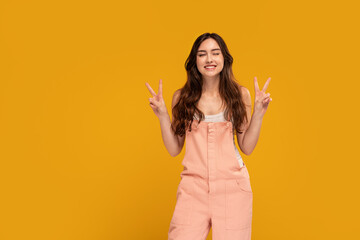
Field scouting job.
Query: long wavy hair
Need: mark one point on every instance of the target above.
(229, 90)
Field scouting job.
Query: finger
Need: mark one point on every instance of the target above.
(160, 87)
(266, 84)
(267, 99)
(256, 85)
(263, 97)
(150, 89)
(153, 101)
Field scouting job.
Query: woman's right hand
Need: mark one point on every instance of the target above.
(157, 102)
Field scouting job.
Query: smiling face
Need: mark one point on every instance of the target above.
(209, 60)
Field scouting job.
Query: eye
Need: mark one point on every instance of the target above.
(205, 54)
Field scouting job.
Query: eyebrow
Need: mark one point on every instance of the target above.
(211, 50)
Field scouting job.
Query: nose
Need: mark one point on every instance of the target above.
(208, 58)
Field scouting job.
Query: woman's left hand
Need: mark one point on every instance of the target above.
(262, 99)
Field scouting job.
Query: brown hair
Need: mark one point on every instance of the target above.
(190, 93)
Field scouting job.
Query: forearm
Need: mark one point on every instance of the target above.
(170, 140)
(251, 135)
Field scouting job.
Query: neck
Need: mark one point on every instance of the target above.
(211, 86)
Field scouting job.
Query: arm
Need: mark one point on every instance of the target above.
(173, 143)
(251, 129)
(249, 138)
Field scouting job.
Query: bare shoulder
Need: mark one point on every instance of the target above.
(245, 95)
(244, 90)
(175, 98)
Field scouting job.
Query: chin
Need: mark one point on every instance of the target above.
(211, 73)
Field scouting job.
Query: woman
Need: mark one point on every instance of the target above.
(214, 190)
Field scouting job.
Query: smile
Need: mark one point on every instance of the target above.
(210, 68)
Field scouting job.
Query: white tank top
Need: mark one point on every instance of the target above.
(220, 118)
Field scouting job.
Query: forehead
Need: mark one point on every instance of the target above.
(208, 45)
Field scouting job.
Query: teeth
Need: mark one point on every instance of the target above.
(210, 67)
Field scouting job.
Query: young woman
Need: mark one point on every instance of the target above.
(214, 190)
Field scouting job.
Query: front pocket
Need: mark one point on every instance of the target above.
(183, 208)
(239, 199)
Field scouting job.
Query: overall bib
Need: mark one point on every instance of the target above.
(214, 190)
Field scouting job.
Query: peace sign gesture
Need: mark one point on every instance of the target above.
(157, 102)
(262, 99)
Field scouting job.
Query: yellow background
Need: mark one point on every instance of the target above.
(81, 153)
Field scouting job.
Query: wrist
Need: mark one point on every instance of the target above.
(257, 116)
(164, 116)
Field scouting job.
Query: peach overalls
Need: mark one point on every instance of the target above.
(214, 191)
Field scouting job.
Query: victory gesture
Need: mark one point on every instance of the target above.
(157, 102)
(262, 99)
